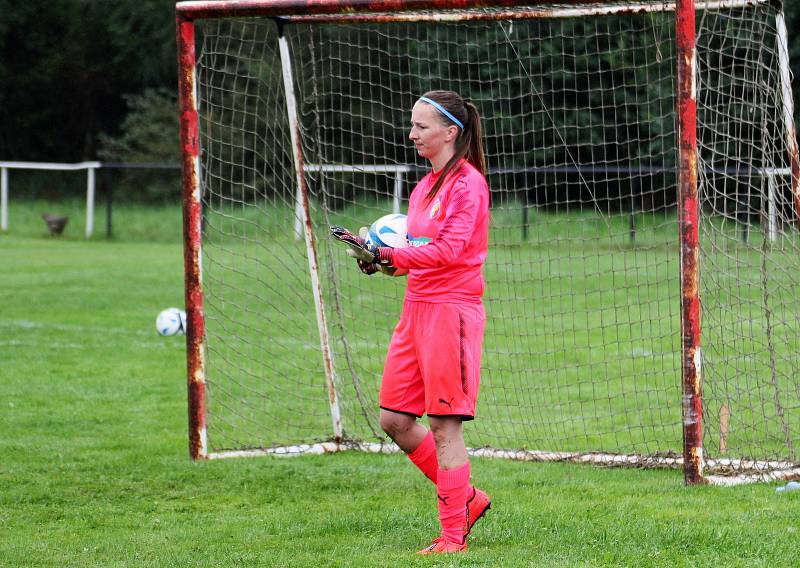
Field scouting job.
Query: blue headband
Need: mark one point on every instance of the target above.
(444, 111)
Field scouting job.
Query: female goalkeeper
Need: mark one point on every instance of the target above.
(434, 358)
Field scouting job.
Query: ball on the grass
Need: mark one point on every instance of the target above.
(171, 321)
(389, 231)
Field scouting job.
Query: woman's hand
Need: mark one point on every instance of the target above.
(357, 246)
(368, 257)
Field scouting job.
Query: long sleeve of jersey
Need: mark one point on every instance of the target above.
(449, 238)
(453, 236)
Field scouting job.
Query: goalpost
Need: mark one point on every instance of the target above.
(643, 279)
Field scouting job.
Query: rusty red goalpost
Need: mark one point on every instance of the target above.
(642, 158)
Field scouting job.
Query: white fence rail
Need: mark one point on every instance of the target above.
(90, 168)
(91, 176)
(398, 171)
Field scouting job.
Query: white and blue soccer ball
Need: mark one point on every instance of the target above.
(389, 231)
(171, 321)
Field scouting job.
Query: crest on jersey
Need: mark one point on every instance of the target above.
(435, 208)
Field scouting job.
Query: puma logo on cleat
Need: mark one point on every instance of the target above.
(443, 401)
(443, 499)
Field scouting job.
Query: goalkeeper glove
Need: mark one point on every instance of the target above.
(370, 258)
(363, 232)
(357, 246)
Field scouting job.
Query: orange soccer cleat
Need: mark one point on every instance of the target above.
(477, 505)
(442, 546)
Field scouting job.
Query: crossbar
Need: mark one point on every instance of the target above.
(450, 10)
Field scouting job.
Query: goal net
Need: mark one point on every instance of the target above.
(303, 123)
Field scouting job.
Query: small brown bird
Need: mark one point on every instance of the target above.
(54, 223)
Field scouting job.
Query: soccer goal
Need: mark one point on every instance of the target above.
(643, 279)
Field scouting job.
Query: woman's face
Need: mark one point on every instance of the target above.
(431, 138)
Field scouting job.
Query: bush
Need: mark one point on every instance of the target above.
(149, 133)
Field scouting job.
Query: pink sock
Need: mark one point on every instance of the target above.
(453, 490)
(424, 457)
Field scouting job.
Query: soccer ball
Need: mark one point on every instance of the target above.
(389, 231)
(171, 321)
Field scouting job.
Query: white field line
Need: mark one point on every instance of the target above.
(27, 324)
(142, 338)
(87, 346)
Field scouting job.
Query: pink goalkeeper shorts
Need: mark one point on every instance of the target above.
(434, 360)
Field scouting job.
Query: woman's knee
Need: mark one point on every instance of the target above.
(446, 428)
(395, 424)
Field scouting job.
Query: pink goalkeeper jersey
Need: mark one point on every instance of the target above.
(449, 237)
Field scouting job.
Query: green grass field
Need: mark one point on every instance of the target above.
(94, 467)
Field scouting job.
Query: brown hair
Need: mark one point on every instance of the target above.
(469, 143)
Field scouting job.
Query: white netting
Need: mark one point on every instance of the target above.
(582, 348)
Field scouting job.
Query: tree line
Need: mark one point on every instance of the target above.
(87, 80)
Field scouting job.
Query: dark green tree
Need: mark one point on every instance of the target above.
(148, 133)
(65, 66)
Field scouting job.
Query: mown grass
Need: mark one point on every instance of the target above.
(582, 346)
(94, 468)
